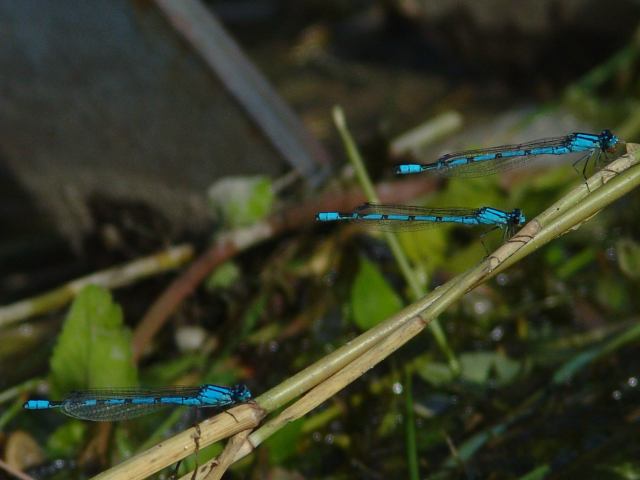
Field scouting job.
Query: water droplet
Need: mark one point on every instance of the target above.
(317, 436)
(328, 439)
(497, 334)
(397, 388)
(190, 338)
(482, 306)
(616, 395)
(502, 279)
(611, 254)
(26, 329)
(273, 346)
(632, 382)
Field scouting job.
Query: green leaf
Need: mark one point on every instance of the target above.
(241, 201)
(67, 440)
(166, 372)
(223, 277)
(506, 368)
(426, 247)
(477, 367)
(372, 299)
(437, 374)
(466, 257)
(611, 293)
(253, 314)
(537, 473)
(626, 470)
(124, 443)
(576, 364)
(575, 263)
(629, 257)
(462, 192)
(284, 443)
(94, 348)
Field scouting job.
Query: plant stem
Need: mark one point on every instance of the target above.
(410, 428)
(412, 280)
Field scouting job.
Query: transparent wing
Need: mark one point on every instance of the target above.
(94, 404)
(487, 167)
(484, 167)
(102, 412)
(545, 142)
(409, 225)
(391, 209)
(133, 392)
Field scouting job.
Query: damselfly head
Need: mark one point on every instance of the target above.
(608, 141)
(241, 393)
(518, 217)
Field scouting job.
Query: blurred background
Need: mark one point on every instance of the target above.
(130, 126)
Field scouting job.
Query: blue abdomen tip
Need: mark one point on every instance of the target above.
(327, 216)
(408, 168)
(37, 404)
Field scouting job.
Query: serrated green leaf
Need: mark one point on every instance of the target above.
(372, 298)
(94, 348)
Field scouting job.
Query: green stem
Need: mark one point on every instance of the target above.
(410, 428)
(410, 277)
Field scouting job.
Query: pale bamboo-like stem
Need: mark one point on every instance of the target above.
(114, 277)
(213, 470)
(577, 207)
(168, 452)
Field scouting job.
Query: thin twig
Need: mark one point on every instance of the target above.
(113, 277)
(14, 472)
